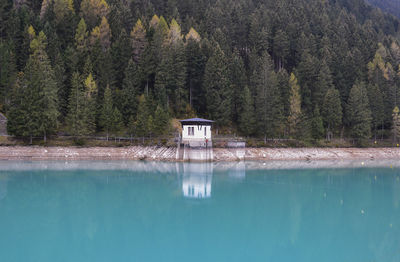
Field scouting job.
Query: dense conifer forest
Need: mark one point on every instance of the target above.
(302, 69)
(390, 6)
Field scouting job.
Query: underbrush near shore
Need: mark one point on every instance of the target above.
(217, 143)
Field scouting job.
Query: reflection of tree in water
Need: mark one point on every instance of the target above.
(196, 180)
(3, 186)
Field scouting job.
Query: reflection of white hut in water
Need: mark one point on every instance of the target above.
(196, 180)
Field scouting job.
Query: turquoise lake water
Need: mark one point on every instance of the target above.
(138, 211)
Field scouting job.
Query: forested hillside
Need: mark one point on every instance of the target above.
(262, 68)
(390, 6)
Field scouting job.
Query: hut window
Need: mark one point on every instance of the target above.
(190, 131)
(205, 131)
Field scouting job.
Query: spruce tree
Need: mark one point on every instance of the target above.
(238, 81)
(217, 88)
(332, 111)
(317, 124)
(143, 121)
(358, 113)
(161, 121)
(77, 118)
(81, 37)
(268, 103)
(90, 102)
(38, 94)
(117, 122)
(295, 106)
(246, 117)
(375, 99)
(131, 89)
(195, 62)
(107, 112)
(138, 40)
(396, 124)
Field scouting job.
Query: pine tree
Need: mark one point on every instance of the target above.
(93, 10)
(238, 81)
(117, 122)
(107, 112)
(283, 86)
(143, 121)
(138, 40)
(396, 124)
(44, 8)
(104, 34)
(376, 103)
(281, 48)
(217, 88)
(174, 34)
(295, 106)
(121, 51)
(131, 89)
(81, 37)
(62, 8)
(246, 117)
(18, 122)
(38, 94)
(90, 102)
(332, 111)
(195, 63)
(268, 104)
(161, 121)
(324, 83)
(317, 124)
(358, 114)
(77, 118)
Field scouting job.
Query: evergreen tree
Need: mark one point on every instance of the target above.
(268, 104)
(93, 10)
(283, 85)
(295, 106)
(138, 40)
(238, 81)
(81, 37)
(90, 103)
(358, 114)
(396, 125)
(117, 123)
(217, 88)
(161, 121)
(195, 62)
(375, 99)
(317, 124)
(131, 89)
(104, 34)
(38, 94)
(246, 119)
(107, 113)
(332, 111)
(324, 83)
(77, 118)
(143, 120)
(62, 8)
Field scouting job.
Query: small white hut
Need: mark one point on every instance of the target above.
(196, 130)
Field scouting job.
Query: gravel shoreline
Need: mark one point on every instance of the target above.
(220, 154)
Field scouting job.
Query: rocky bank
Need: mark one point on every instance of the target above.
(169, 153)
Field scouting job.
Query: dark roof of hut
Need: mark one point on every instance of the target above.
(196, 121)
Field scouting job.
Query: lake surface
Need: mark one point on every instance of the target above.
(138, 211)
